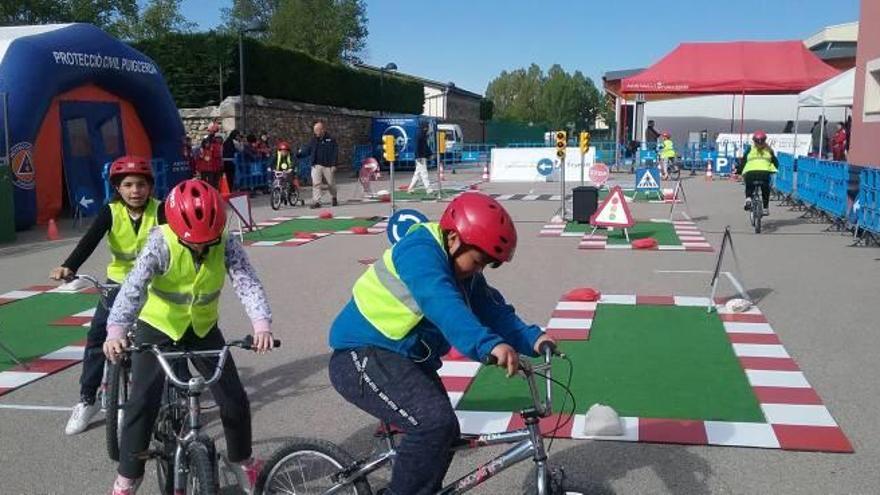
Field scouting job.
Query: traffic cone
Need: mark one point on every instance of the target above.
(52, 231)
(708, 170)
(224, 186)
(486, 172)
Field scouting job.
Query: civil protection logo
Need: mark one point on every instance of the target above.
(23, 172)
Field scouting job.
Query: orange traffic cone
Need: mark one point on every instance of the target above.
(224, 186)
(486, 172)
(709, 170)
(52, 231)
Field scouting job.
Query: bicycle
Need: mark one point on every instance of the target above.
(282, 191)
(311, 466)
(673, 169)
(113, 392)
(756, 212)
(186, 459)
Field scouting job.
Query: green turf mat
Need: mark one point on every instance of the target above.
(25, 325)
(662, 231)
(285, 230)
(646, 361)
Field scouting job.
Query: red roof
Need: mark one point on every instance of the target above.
(751, 67)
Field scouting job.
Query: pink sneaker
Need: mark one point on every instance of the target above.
(125, 486)
(251, 471)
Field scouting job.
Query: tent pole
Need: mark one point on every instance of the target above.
(617, 131)
(742, 122)
(822, 134)
(732, 111)
(797, 114)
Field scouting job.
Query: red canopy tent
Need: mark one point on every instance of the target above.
(743, 67)
(739, 67)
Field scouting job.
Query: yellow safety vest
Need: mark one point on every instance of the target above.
(759, 161)
(668, 150)
(122, 240)
(384, 300)
(283, 165)
(184, 296)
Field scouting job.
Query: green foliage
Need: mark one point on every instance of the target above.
(332, 30)
(196, 65)
(557, 98)
(244, 13)
(106, 14)
(157, 19)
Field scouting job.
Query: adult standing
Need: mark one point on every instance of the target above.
(323, 151)
(231, 146)
(651, 135)
(207, 165)
(422, 154)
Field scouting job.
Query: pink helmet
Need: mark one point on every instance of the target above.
(482, 222)
(759, 136)
(195, 212)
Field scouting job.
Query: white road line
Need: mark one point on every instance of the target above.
(24, 407)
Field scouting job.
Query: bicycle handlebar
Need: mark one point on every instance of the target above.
(163, 357)
(528, 371)
(94, 281)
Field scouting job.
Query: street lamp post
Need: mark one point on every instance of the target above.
(389, 67)
(253, 27)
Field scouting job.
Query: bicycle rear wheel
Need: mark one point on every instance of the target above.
(307, 467)
(674, 171)
(757, 213)
(117, 396)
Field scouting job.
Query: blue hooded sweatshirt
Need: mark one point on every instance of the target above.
(468, 314)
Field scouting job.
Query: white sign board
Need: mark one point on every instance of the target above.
(520, 164)
(730, 143)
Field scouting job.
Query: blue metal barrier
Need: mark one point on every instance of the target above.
(822, 184)
(869, 200)
(250, 172)
(785, 174)
(160, 177)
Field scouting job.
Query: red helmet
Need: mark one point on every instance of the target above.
(195, 212)
(283, 145)
(213, 128)
(759, 136)
(130, 165)
(482, 222)
(665, 134)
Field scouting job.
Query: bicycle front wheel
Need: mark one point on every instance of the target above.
(275, 201)
(202, 475)
(674, 172)
(117, 396)
(307, 467)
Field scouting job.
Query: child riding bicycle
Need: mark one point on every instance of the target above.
(172, 295)
(425, 293)
(757, 164)
(126, 220)
(666, 154)
(285, 162)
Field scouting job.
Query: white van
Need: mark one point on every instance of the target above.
(454, 137)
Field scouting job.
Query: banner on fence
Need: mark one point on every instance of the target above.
(731, 144)
(520, 164)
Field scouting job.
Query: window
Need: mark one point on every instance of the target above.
(78, 137)
(110, 136)
(871, 106)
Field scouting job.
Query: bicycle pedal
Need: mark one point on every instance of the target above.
(149, 454)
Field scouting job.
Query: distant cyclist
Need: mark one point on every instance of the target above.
(666, 150)
(756, 165)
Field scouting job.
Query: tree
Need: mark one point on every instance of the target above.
(105, 14)
(247, 12)
(559, 98)
(334, 30)
(158, 18)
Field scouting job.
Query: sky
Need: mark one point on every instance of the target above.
(471, 42)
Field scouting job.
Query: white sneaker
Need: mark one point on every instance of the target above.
(81, 417)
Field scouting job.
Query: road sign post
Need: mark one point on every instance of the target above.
(561, 145)
(390, 155)
(584, 143)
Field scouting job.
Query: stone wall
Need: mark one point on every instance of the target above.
(285, 120)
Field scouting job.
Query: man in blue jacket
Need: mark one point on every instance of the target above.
(426, 293)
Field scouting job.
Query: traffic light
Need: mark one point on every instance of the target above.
(561, 144)
(388, 148)
(585, 142)
(441, 142)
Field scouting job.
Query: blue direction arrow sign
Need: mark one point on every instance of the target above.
(545, 166)
(86, 202)
(401, 221)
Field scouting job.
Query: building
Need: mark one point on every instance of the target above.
(865, 139)
(836, 45)
(448, 103)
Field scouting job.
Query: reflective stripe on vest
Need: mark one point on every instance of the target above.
(758, 161)
(384, 300)
(668, 150)
(123, 242)
(183, 296)
(279, 165)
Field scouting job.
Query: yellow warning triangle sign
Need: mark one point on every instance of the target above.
(613, 212)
